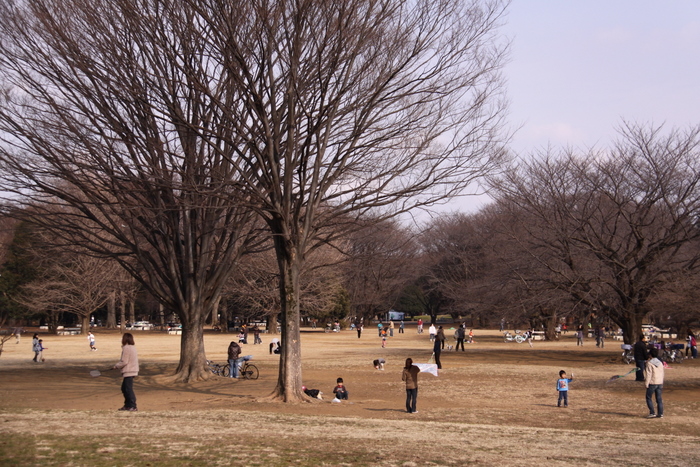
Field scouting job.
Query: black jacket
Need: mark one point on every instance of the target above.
(640, 351)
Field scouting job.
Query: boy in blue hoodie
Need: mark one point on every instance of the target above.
(563, 388)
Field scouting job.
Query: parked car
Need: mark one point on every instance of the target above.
(140, 326)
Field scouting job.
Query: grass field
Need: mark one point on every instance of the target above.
(494, 404)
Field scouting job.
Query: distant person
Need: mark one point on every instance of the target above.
(432, 332)
(256, 335)
(579, 336)
(340, 391)
(91, 341)
(436, 353)
(563, 388)
(40, 351)
(640, 356)
(528, 336)
(129, 365)
(391, 328)
(410, 377)
(383, 334)
(401, 326)
(692, 345)
(18, 335)
(471, 336)
(380, 326)
(440, 336)
(234, 353)
(459, 336)
(600, 336)
(654, 382)
(35, 346)
(274, 345)
(358, 328)
(419, 327)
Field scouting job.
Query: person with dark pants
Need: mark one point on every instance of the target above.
(459, 335)
(654, 381)
(441, 337)
(640, 356)
(129, 365)
(410, 377)
(436, 352)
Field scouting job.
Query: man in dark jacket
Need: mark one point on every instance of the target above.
(640, 356)
(234, 351)
(459, 335)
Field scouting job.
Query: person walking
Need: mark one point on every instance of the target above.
(410, 377)
(654, 382)
(692, 345)
(234, 352)
(35, 347)
(129, 365)
(640, 356)
(358, 328)
(91, 341)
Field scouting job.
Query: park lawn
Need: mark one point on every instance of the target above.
(493, 404)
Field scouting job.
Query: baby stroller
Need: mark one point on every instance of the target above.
(673, 353)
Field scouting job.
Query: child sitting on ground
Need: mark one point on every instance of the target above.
(563, 388)
(340, 391)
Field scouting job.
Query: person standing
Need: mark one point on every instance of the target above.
(358, 328)
(129, 365)
(692, 345)
(35, 347)
(419, 327)
(410, 377)
(436, 353)
(383, 334)
(256, 335)
(380, 326)
(579, 335)
(640, 356)
(18, 335)
(601, 337)
(432, 332)
(459, 335)
(391, 328)
(401, 326)
(234, 351)
(654, 381)
(563, 388)
(440, 336)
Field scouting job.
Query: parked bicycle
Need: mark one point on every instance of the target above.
(627, 353)
(517, 337)
(245, 370)
(673, 353)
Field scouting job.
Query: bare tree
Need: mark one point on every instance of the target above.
(610, 228)
(346, 108)
(111, 130)
(381, 261)
(69, 283)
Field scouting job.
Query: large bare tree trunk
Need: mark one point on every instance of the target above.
(85, 324)
(122, 313)
(111, 311)
(289, 382)
(192, 355)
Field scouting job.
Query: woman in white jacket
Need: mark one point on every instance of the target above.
(654, 381)
(129, 364)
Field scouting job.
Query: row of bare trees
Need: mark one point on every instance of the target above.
(174, 136)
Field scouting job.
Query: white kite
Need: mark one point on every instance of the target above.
(427, 368)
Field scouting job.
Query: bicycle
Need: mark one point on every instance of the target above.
(627, 353)
(248, 371)
(219, 369)
(519, 338)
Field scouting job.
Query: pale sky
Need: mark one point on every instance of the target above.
(578, 68)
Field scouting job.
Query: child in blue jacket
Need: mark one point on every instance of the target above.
(563, 388)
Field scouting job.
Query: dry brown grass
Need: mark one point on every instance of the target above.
(493, 404)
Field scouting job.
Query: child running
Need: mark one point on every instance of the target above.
(563, 388)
